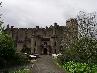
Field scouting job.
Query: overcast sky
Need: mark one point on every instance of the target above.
(30, 13)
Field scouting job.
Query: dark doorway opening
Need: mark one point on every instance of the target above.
(34, 50)
(45, 51)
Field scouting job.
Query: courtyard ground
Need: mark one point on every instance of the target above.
(45, 64)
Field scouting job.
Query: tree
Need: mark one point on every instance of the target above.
(8, 55)
(87, 24)
(7, 48)
(85, 48)
(6, 43)
(1, 21)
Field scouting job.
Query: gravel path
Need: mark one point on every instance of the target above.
(45, 64)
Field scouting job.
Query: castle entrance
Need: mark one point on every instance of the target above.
(45, 46)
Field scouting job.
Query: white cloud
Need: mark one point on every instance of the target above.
(28, 13)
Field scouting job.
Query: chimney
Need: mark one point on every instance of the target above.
(8, 26)
(55, 24)
(46, 27)
(37, 27)
(12, 27)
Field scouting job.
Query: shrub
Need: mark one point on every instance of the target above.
(20, 59)
(83, 50)
(76, 67)
(7, 48)
(8, 55)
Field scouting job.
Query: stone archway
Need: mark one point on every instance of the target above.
(45, 49)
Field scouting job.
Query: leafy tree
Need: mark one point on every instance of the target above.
(8, 55)
(1, 22)
(85, 48)
(87, 24)
(7, 48)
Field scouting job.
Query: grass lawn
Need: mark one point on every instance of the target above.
(23, 70)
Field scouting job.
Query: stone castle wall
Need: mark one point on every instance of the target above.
(49, 38)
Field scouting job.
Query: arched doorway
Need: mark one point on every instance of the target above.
(44, 46)
(45, 51)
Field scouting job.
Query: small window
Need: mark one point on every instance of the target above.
(55, 44)
(34, 50)
(35, 43)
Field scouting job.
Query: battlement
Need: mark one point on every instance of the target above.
(71, 20)
(37, 27)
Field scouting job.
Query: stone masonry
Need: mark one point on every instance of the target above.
(44, 40)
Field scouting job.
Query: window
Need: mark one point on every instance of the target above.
(55, 44)
(45, 43)
(35, 43)
(34, 50)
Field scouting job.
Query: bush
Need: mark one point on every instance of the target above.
(83, 50)
(76, 67)
(20, 59)
(7, 48)
(8, 55)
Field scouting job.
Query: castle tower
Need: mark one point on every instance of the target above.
(72, 30)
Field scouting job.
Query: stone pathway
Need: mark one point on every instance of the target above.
(45, 64)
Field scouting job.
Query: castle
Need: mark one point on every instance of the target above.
(44, 40)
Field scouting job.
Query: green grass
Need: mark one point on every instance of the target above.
(24, 70)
